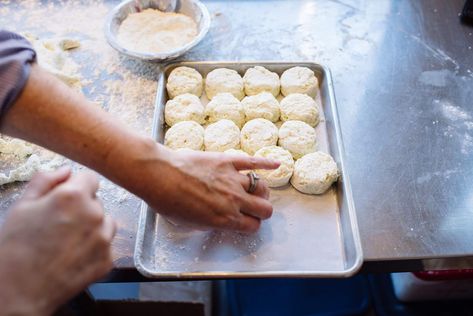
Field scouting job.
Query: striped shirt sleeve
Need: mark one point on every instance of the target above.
(16, 57)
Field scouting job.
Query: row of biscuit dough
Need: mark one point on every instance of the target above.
(188, 107)
(295, 136)
(257, 79)
(313, 173)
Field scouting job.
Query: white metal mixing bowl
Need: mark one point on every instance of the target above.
(192, 8)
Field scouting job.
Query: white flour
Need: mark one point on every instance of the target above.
(153, 31)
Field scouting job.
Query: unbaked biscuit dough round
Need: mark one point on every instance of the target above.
(187, 134)
(222, 80)
(280, 176)
(225, 106)
(299, 80)
(184, 80)
(263, 105)
(258, 133)
(298, 138)
(184, 107)
(314, 173)
(259, 79)
(221, 136)
(299, 107)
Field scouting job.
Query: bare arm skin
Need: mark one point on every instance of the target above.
(203, 189)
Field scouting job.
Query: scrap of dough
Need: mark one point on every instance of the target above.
(52, 57)
(258, 133)
(221, 136)
(263, 105)
(298, 138)
(15, 147)
(62, 43)
(299, 80)
(223, 80)
(259, 79)
(299, 107)
(225, 106)
(68, 43)
(184, 80)
(314, 173)
(25, 171)
(187, 134)
(184, 107)
(280, 176)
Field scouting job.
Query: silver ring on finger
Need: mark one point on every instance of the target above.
(253, 181)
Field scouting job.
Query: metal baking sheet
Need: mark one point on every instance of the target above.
(307, 236)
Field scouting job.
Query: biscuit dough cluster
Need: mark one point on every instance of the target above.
(259, 114)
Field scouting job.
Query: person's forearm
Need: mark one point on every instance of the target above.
(202, 189)
(50, 114)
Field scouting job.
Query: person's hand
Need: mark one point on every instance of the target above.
(208, 191)
(53, 243)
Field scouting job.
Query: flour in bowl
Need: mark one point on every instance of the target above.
(153, 31)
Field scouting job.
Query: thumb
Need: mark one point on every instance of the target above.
(43, 182)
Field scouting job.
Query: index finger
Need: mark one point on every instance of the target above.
(241, 162)
(43, 182)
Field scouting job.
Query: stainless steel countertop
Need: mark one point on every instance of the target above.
(403, 75)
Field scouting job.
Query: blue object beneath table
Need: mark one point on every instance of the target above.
(294, 297)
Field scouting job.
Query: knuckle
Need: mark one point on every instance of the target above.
(105, 266)
(114, 228)
(226, 221)
(96, 217)
(221, 222)
(267, 212)
(255, 227)
(103, 241)
(108, 262)
(224, 159)
(264, 185)
(70, 194)
(249, 227)
(234, 199)
(40, 176)
(266, 209)
(221, 156)
(252, 161)
(92, 177)
(19, 207)
(88, 174)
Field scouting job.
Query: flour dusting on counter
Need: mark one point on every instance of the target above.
(123, 87)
